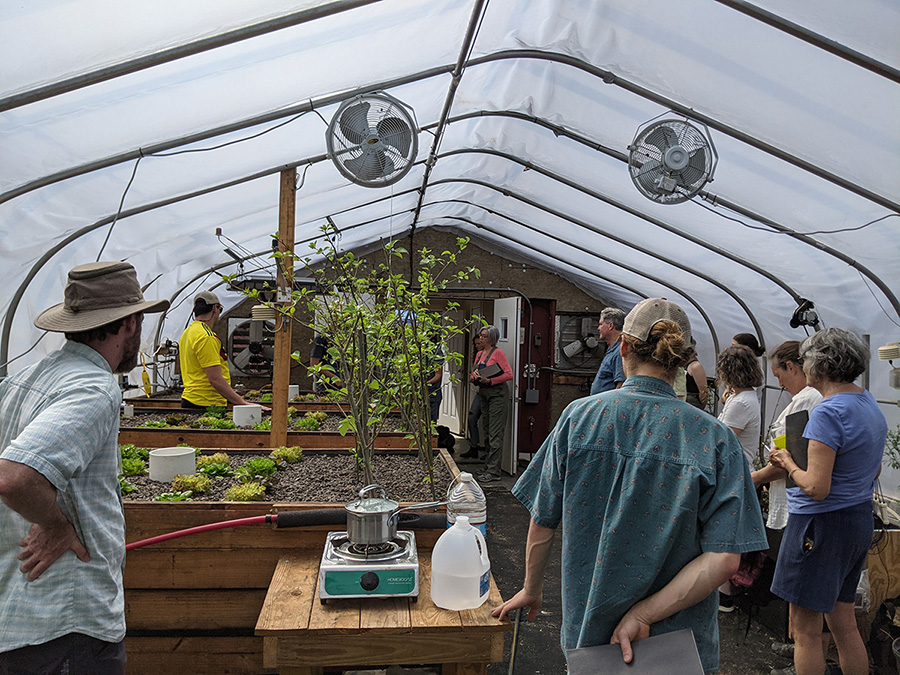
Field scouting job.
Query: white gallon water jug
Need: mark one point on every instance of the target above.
(460, 568)
(466, 498)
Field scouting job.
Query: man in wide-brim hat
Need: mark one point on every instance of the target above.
(62, 527)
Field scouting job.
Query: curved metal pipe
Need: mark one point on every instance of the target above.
(620, 240)
(178, 52)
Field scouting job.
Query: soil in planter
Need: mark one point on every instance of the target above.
(332, 422)
(322, 478)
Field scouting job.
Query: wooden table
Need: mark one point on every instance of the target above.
(301, 635)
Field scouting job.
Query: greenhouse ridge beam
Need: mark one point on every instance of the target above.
(477, 14)
(820, 41)
(178, 52)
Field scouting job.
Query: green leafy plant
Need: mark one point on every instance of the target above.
(216, 470)
(218, 411)
(175, 420)
(125, 486)
(264, 425)
(290, 455)
(196, 484)
(133, 467)
(131, 451)
(246, 492)
(892, 448)
(216, 423)
(266, 398)
(173, 497)
(154, 424)
(308, 424)
(257, 469)
(215, 458)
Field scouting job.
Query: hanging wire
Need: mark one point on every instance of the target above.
(121, 204)
(235, 141)
(765, 228)
(16, 358)
(869, 288)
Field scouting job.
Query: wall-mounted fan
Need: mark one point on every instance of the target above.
(373, 139)
(251, 346)
(579, 344)
(670, 160)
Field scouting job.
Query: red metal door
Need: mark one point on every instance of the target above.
(534, 418)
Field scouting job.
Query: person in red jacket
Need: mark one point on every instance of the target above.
(491, 373)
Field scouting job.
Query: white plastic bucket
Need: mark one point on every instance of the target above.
(127, 410)
(166, 463)
(460, 568)
(293, 390)
(247, 415)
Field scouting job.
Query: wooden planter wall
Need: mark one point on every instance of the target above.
(191, 604)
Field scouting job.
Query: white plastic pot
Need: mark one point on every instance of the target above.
(247, 415)
(293, 390)
(166, 463)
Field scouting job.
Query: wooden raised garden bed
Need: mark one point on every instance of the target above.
(191, 604)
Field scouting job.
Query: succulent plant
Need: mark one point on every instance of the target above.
(246, 492)
(290, 455)
(215, 470)
(173, 497)
(258, 469)
(196, 484)
(215, 458)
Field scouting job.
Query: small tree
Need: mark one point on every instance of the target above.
(383, 338)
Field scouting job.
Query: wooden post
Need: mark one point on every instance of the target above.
(282, 361)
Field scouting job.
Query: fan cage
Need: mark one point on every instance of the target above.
(671, 160)
(372, 140)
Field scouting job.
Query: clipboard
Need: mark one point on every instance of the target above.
(794, 426)
(654, 655)
(492, 370)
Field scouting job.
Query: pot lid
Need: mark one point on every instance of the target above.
(372, 504)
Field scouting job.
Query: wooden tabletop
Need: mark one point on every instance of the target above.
(292, 606)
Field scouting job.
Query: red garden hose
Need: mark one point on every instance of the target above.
(268, 518)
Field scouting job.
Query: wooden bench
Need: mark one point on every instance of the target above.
(301, 636)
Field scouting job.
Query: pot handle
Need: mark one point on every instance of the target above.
(370, 488)
(418, 507)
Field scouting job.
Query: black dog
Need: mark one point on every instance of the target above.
(445, 438)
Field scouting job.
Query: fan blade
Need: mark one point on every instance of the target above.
(648, 174)
(370, 166)
(662, 137)
(354, 122)
(394, 131)
(696, 168)
(242, 360)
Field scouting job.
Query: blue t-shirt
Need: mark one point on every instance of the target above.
(642, 483)
(854, 427)
(610, 371)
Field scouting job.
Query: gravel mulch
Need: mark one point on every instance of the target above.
(322, 477)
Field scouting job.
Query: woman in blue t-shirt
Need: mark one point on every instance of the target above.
(829, 528)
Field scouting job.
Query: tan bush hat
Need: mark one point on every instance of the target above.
(97, 294)
(647, 313)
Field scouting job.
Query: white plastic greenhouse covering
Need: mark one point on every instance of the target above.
(525, 108)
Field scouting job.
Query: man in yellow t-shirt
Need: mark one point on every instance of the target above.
(204, 365)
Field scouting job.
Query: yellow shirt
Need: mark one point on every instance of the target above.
(200, 348)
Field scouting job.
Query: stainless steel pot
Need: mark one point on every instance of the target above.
(373, 520)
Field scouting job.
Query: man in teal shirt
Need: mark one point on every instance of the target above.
(654, 498)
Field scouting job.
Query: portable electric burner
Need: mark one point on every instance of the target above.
(384, 570)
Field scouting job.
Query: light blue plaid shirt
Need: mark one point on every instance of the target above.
(61, 418)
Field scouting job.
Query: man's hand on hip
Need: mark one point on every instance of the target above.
(43, 547)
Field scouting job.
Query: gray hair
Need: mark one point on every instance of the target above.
(834, 354)
(493, 334)
(614, 316)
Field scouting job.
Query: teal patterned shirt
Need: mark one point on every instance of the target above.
(61, 418)
(642, 484)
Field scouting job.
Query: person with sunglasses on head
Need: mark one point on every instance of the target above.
(204, 364)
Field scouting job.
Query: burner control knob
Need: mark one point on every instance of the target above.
(369, 581)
